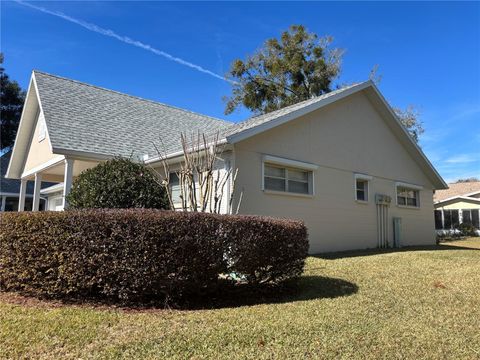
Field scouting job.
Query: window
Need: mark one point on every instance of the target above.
(361, 189)
(175, 189)
(407, 196)
(450, 219)
(41, 129)
(285, 179)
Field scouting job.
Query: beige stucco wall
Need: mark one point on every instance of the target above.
(39, 151)
(459, 205)
(344, 138)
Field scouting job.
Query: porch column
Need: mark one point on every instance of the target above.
(4, 200)
(36, 192)
(67, 181)
(21, 196)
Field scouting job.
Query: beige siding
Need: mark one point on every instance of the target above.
(460, 205)
(343, 138)
(39, 151)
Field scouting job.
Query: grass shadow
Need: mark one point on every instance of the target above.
(307, 287)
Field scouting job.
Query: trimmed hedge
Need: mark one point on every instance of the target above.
(141, 255)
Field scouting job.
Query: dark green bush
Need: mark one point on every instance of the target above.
(140, 255)
(118, 183)
(466, 229)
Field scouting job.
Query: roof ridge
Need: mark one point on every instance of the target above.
(132, 96)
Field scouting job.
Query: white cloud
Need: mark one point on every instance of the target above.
(463, 158)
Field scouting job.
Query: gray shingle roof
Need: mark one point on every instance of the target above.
(261, 119)
(82, 117)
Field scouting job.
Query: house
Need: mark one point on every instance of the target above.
(458, 204)
(341, 162)
(10, 189)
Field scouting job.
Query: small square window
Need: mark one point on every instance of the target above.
(361, 190)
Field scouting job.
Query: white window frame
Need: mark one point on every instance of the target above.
(416, 188)
(365, 178)
(293, 165)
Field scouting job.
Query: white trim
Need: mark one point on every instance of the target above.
(289, 164)
(408, 185)
(417, 188)
(472, 193)
(20, 126)
(363, 177)
(466, 198)
(36, 192)
(21, 195)
(255, 130)
(273, 192)
(367, 179)
(52, 189)
(46, 165)
(180, 152)
(67, 180)
(275, 160)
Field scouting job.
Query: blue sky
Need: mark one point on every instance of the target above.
(428, 54)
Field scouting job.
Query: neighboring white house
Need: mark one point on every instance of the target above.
(458, 204)
(341, 162)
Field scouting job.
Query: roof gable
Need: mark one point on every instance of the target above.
(268, 121)
(85, 118)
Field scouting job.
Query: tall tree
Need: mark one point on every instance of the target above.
(296, 67)
(11, 104)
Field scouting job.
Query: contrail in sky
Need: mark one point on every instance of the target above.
(124, 39)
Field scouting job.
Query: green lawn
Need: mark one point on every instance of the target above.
(416, 304)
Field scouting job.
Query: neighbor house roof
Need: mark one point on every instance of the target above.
(82, 117)
(457, 190)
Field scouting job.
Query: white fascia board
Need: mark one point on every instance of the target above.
(275, 160)
(81, 155)
(46, 165)
(52, 189)
(471, 193)
(465, 198)
(363, 176)
(407, 135)
(41, 112)
(9, 174)
(408, 185)
(179, 154)
(242, 135)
